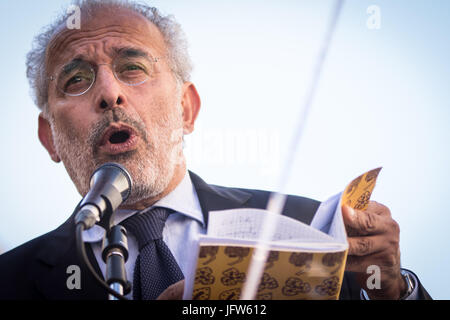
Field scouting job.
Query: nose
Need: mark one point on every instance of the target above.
(108, 90)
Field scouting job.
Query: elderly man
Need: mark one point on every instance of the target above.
(117, 90)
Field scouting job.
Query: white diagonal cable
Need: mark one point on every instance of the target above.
(277, 199)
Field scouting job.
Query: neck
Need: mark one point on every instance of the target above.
(180, 171)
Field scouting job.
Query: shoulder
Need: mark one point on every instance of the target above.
(17, 267)
(214, 197)
(21, 266)
(19, 255)
(297, 207)
(47, 241)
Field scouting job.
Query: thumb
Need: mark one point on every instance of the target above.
(174, 292)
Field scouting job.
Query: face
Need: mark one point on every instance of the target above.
(139, 126)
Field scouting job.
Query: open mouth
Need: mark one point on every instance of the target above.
(118, 139)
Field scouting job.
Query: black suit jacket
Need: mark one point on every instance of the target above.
(38, 268)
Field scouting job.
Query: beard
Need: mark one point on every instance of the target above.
(151, 166)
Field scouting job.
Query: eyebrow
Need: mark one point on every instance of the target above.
(71, 65)
(127, 52)
(130, 52)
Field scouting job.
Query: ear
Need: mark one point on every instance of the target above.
(46, 138)
(191, 107)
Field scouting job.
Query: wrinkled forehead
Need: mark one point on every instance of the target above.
(101, 33)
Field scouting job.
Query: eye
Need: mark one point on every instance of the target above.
(74, 80)
(76, 77)
(132, 72)
(130, 68)
(77, 83)
(133, 67)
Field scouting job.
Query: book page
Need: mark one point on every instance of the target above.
(337, 227)
(325, 213)
(328, 218)
(246, 223)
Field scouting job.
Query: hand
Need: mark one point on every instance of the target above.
(373, 238)
(174, 292)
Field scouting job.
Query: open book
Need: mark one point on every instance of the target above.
(305, 261)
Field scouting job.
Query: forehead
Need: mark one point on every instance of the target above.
(101, 34)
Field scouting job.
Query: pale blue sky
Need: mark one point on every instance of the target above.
(383, 100)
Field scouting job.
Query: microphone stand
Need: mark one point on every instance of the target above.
(115, 254)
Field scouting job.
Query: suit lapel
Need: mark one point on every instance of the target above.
(212, 198)
(53, 262)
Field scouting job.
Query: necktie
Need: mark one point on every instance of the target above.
(156, 268)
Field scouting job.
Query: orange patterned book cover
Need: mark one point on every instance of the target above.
(305, 261)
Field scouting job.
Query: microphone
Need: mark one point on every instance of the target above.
(110, 186)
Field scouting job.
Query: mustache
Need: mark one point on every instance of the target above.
(110, 117)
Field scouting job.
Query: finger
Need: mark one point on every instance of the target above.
(174, 292)
(360, 223)
(361, 263)
(378, 209)
(362, 246)
(386, 262)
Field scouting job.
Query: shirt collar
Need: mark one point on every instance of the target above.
(183, 199)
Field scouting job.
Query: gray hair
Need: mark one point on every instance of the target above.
(175, 41)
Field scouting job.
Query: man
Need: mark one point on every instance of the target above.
(118, 90)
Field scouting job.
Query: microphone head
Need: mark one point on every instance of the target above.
(115, 174)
